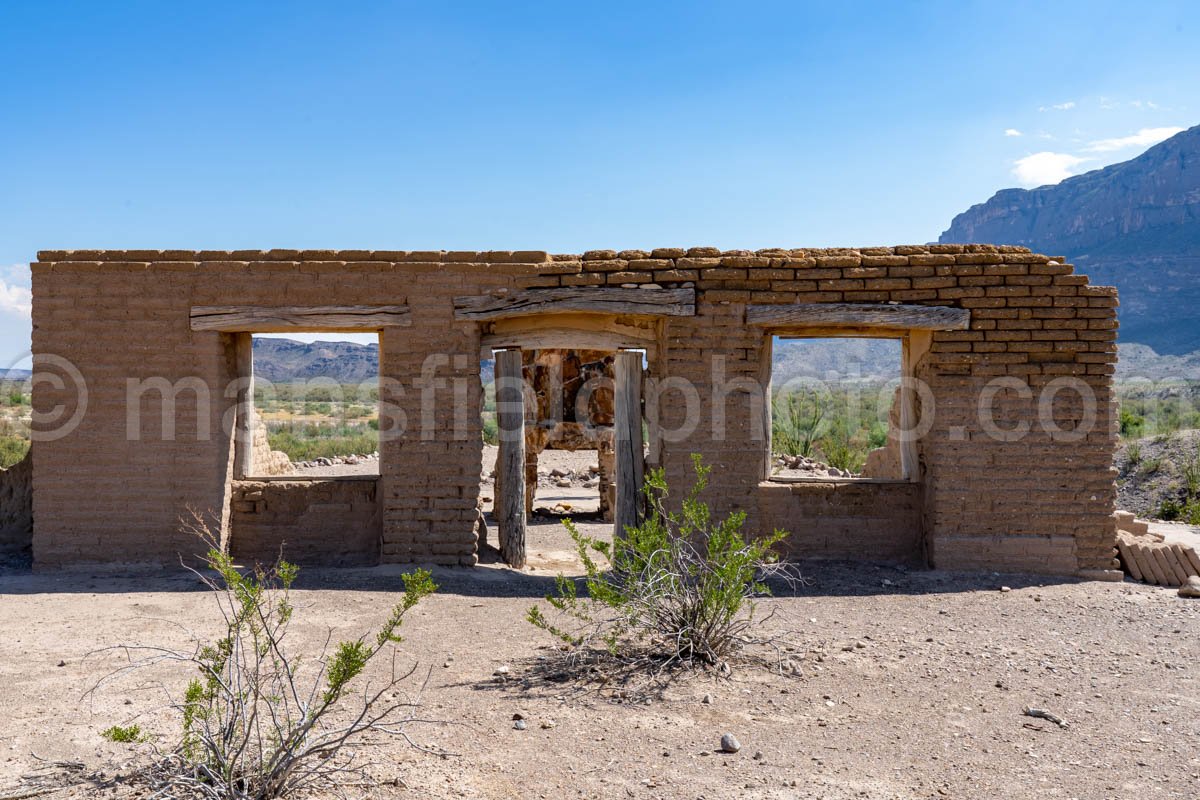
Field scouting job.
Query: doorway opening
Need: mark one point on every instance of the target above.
(559, 427)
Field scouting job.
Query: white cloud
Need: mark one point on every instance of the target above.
(1042, 168)
(1012, 132)
(1067, 106)
(15, 300)
(1143, 138)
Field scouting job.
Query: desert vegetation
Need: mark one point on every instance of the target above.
(837, 423)
(677, 590)
(14, 423)
(262, 719)
(321, 419)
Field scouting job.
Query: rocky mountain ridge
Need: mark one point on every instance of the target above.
(1135, 225)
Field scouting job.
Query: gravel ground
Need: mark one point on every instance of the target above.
(913, 686)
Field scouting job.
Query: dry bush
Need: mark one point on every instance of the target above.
(680, 591)
(262, 720)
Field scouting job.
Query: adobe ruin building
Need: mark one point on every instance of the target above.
(1027, 486)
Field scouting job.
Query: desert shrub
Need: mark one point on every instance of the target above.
(1174, 510)
(1131, 424)
(308, 442)
(491, 429)
(261, 720)
(796, 419)
(1149, 466)
(1134, 453)
(12, 449)
(131, 734)
(1191, 475)
(841, 449)
(840, 424)
(681, 588)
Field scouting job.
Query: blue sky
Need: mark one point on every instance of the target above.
(560, 126)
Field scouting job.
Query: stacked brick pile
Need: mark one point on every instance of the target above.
(1147, 557)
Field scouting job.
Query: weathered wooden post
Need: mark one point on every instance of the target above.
(510, 465)
(243, 439)
(630, 456)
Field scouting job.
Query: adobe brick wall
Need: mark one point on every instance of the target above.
(984, 503)
(859, 520)
(333, 522)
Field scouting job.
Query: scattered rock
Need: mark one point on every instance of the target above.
(519, 725)
(1005, 589)
(730, 744)
(518, 715)
(62, 663)
(1191, 588)
(707, 700)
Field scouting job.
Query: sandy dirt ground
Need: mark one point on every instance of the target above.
(912, 686)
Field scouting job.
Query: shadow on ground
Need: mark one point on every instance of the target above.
(492, 578)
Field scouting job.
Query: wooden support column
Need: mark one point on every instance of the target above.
(243, 438)
(630, 455)
(913, 348)
(510, 464)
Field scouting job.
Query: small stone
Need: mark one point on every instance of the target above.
(519, 725)
(707, 700)
(758, 755)
(518, 715)
(62, 663)
(1191, 588)
(548, 724)
(1005, 589)
(730, 744)
(501, 671)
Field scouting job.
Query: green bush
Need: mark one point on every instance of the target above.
(491, 429)
(132, 734)
(309, 442)
(261, 720)
(681, 589)
(796, 421)
(1172, 510)
(12, 450)
(1131, 424)
(839, 424)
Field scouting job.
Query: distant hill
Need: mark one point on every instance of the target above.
(835, 359)
(1135, 225)
(284, 360)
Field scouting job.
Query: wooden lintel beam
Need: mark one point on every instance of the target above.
(897, 317)
(599, 299)
(281, 319)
